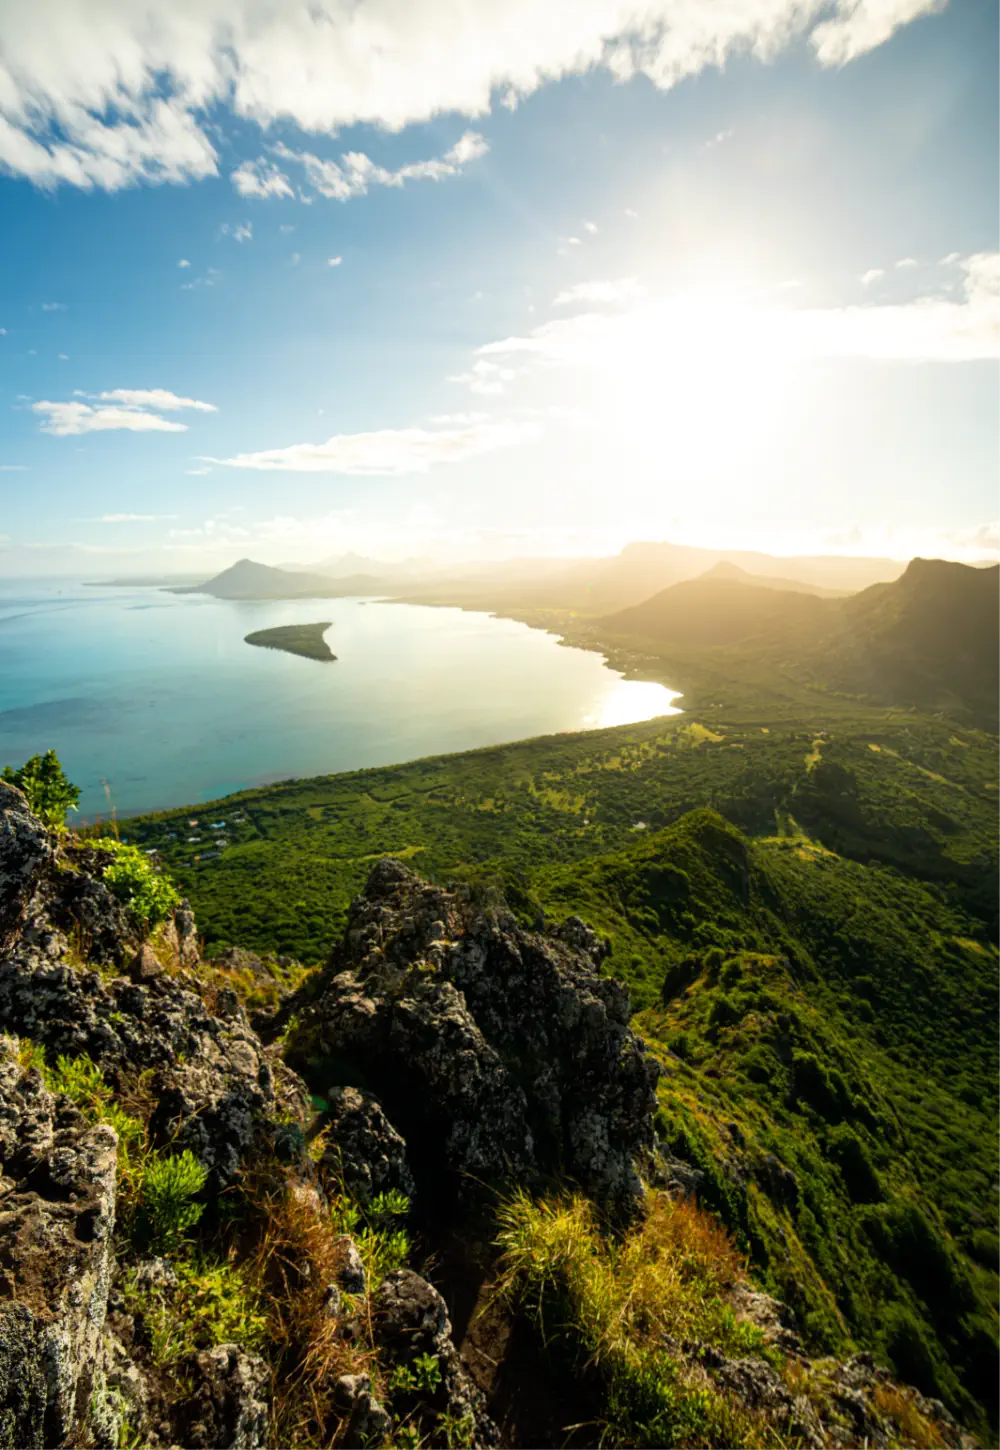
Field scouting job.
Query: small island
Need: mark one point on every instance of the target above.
(295, 639)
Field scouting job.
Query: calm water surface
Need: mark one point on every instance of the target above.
(158, 695)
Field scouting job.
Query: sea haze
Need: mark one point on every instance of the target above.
(159, 696)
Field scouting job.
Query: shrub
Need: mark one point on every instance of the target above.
(49, 794)
(618, 1305)
(131, 877)
(169, 1186)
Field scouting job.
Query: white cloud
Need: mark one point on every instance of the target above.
(632, 215)
(625, 289)
(718, 138)
(125, 91)
(295, 259)
(53, 307)
(907, 262)
(287, 227)
(950, 259)
(388, 451)
(355, 172)
(65, 420)
(13, 468)
(261, 178)
(590, 227)
(120, 408)
(197, 472)
(670, 330)
(208, 279)
(184, 262)
(239, 231)
(334, 261)
(64, 357)
(874, 274)
(154, 398)
(133, 518)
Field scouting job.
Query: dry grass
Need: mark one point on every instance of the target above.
(621, 1306)
(914, 1429)
(295, 1259)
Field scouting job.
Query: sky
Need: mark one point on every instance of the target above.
(290, 278)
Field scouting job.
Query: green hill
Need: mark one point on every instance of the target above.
(247, 579)
(928, 639)
(830, 1036)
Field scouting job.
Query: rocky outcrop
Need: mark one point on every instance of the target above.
(499, 1053)
(412, 1328)
(57, 1215)
(364, 1149)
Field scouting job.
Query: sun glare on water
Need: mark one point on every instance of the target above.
(629, 701)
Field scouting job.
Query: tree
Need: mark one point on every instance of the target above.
(43, 781)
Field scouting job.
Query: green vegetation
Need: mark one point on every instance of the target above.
(295, 639)
(169, 1188)
(132, 877)
(800, 890)
(49, 794)
(619, 1306)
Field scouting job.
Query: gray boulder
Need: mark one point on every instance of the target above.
(364, 1148)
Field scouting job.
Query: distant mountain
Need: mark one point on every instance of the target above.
(247, 579)
(930, 638)
(719, 610)
(726, 570)
(640, 570)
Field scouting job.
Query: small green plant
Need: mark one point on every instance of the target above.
(422, 1376)
(43, 781)
(382, 1244)
(406, 1437)
(130, 876)
(169, 1186)
(211, 1303)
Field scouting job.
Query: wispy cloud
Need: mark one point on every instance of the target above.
(127, 409)
(355, 173)
(133, 518)
(616, 293)
(53, 306)
(664, 330)
(391, 452)
(334, 261)
(154, 398)
(261, 178)
(13, 468)
(907, 262)
(184, 262)
(239, 231)
(874, 274)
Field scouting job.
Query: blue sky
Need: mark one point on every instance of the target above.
(468, 280)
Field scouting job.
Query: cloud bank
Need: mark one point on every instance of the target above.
(109, 93)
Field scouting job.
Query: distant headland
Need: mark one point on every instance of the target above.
(295, 639)
(249, 580)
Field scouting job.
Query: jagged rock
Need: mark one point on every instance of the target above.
(227, 1408)
(364, 1147)
(368, 1421)
(673, 1174)
(57, 1217)
(777, 1181)
(213, 1107)
(351, 1274)
(497, 1052)
(410, 1319)
(24, 846)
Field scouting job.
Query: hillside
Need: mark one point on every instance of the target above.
(249, 580)
(928, 639)
(400, 1201)
(719, 610)
(605, 585)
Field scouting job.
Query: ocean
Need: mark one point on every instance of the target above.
(154, 700)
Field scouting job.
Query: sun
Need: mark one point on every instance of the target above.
(696, 384)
